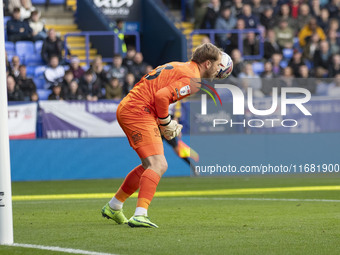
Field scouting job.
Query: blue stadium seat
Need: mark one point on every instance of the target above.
(57, 2)
(40, 83)
(39, 71)
(38, 45)
(10, 48)
(34, 2)
(284, 63)
(288, 53)
(43, 93)
(30, 71)
(33, 60)
(258, 67)
(24, 48)
(6, 18)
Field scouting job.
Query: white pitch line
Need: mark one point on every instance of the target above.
(59, 249)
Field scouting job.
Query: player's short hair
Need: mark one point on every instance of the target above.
(204, 52)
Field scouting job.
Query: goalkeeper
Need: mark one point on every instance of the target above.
(143, 116)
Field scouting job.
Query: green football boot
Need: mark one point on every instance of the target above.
(141, 222)
(116, 215)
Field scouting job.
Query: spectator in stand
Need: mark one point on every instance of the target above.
(334, 42)
(323, 19)
(54, 72)
(240, 25)
(13, 93)
(236, 8)
(322, 58)
(56, 92)
(257, 8)
(333, 8)
(251, 21)
(200, 9)
(287, 79)
(74, 92)
(296, 62)
(26, 9)
(34, 97)
(268, 79)
(304, 16)
(304, 81)
(98, 69)
(119, 30)
(270, 45)
(129, 83)
(334, 87)
(52, 46)
(148, 69)
(128, 60)
(211, 15)
(284, 13)
(310, 29)
(91, 86)
(118, 70)
(266, 18)
(139, 66)
(284, 35)
(65, 84)
(225, 21)
(315, 8)
(75, 67)
(114, 89)
(238, 63)
(18, 30)
(37, 26)
(311, 46)
(16, 4)
(252, 80)
(334, 67)
(294, 8)
(276, 61)
(251, 45)
(334, 25)
(15, 64)
(25, 84)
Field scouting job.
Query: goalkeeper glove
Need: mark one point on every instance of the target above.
(169, 128)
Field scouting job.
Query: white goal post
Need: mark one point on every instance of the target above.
(6, 217)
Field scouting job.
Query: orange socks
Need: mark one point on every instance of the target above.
(147, 180)
(130, 184)
(148, 184)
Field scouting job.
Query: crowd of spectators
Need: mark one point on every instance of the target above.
(301, 39)
(65, 78)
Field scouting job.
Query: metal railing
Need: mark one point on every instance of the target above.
(213, 32)
(87, 36)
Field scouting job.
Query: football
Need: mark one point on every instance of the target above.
(226, 66)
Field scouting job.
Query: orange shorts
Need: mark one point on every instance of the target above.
(142, 131)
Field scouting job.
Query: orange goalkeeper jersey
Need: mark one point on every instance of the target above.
(162, 86)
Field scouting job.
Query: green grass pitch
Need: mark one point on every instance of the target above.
(188, 225)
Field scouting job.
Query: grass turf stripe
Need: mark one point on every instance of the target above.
(182, 193)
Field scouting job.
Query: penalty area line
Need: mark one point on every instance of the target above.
(59, 249)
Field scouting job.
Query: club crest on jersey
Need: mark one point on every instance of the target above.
(185, 90)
